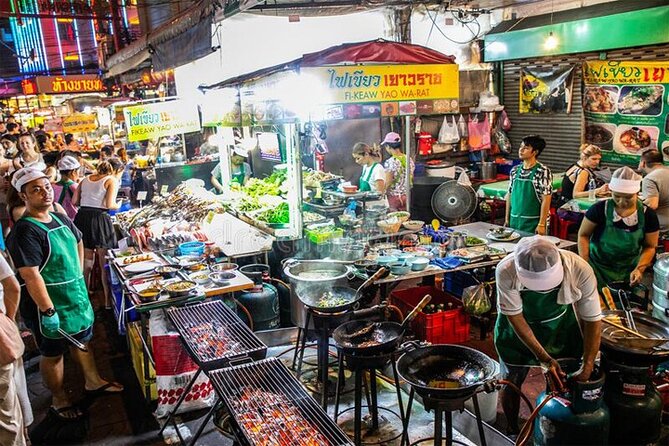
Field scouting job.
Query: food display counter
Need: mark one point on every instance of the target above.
(170, 175)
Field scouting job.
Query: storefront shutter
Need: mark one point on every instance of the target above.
(562, 132)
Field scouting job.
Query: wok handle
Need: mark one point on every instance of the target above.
(415, 311)
(377, 275)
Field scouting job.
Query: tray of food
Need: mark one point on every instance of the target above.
(477, 253)
(471, 241)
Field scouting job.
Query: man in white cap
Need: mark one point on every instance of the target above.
(618, 236)
(47, 251)
(548, 309)
(240, 169)
(64, 189)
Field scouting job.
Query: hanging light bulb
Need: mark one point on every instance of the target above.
(551, 42)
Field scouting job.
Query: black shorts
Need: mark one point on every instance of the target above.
(52, 348)
(97, 230)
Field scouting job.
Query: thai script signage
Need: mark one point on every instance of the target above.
(381, 83)
(79, 122)
(150, 121)
(626, 108)
(80, 83)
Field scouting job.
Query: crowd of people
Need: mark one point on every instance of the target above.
(54, 207)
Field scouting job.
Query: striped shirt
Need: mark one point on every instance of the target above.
(543, 179)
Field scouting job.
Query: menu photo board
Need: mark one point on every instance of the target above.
(79, 123)
(152, 121)
(626, 108)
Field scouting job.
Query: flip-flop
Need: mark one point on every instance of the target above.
(59, 413)
(106, 389)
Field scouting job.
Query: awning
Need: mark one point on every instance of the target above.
(371, 52)
(182, 39)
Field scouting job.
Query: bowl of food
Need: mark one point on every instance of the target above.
(222, 278)
(180, 288)
(226, 266)
(201, 278)
(167, 271)
(418, 263)
(362, 264)
(149, 294)
(331, 200)
(413, 225)
(389, 226)
(372, 269)
(399, 268)
(385, 260)
(402, 216)
(599, 136)
(350, 189)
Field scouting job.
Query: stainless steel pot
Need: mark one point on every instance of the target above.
(488, 170)
(311, 276)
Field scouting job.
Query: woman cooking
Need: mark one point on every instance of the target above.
(396, 168)
(373, 178)
(576, 181)
(618, 236)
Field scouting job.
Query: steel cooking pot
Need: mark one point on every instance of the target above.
(310, 276)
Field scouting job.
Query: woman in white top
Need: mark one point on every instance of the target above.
(373, 178)
(96, 195)
(28, 155)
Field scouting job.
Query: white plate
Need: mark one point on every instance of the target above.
(512, 237)
(506, 247)
(552, 239)
(142, 267)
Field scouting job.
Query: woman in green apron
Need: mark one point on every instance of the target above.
(373, 174)
(618, 236)
(529, 198)
(240, 169)
(537, 319)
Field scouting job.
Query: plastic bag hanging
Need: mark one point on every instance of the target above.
(462, 127)
(505, 121)
(449, 134)
(479, 132)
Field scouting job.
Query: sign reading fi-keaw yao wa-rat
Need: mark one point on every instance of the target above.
(150, 121)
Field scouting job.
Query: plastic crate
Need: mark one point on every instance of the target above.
(446, 327)
(321, 237)
(456, 282)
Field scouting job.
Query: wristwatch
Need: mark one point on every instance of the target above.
(49, 312)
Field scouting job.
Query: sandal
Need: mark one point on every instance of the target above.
(106, 389)
(62, 413)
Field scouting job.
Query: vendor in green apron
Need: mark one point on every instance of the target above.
(373, 177)
(240, 169)
(548, 309)
(618, 236)
(528, 200)
(48, 253)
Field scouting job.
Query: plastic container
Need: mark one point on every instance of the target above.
(191, 248)
(455, 283)
(446, 327)
(319, 237)
(487, 403)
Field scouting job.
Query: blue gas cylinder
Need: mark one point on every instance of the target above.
(578, 416)
(262, 302)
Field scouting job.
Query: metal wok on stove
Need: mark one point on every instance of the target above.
(446, 371)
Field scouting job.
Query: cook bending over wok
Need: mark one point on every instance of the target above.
(548, 309)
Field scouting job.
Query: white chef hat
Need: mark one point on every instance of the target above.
(625, 181)
(26, 175)
(538, 263)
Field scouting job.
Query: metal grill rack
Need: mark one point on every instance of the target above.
(271, 408)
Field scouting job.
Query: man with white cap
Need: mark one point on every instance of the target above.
(548, 309)
(63, 190)
(618, 236)
(47, 251)
(240, 169)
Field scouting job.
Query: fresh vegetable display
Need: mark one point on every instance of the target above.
(277, 215)
(271, 185)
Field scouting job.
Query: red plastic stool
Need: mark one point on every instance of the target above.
(554, 224)
(495, 205)
(564, 226)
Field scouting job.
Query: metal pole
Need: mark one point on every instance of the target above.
(407, 153)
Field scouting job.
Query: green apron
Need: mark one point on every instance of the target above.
(240, 177)
(66, 188)
(617, 252)
(525, 206)
(364, 185)
(64, 280)
(554, 325)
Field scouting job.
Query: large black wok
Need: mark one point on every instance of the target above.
(446, 371)
(336, 299)
(369, 338)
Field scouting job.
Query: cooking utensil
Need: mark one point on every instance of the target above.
(446, 371)
(72, 340)
(343, 297)
(355, 336)
(627, 330)
(614, 335)
(627, 308)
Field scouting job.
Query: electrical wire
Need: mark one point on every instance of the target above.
(475, 35)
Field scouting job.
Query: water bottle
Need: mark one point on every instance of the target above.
(591, 189)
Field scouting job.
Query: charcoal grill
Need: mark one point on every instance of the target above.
(270, 407)
(214, 337)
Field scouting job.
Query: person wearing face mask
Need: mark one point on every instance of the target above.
(9, 144)
(528, 200)
(619, 236)
(576, 181)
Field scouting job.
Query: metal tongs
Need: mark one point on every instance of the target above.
(72, 340)
(627, 308)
